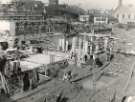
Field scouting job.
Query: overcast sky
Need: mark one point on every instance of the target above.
(86, 4)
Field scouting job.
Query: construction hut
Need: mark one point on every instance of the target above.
(26, 74)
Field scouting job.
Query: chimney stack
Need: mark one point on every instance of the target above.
(120, 3)
(53, 2)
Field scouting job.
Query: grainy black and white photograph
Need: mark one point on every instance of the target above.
(67, 50)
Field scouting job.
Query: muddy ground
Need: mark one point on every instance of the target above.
(112, 81)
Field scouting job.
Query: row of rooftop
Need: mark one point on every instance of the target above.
(37, 10)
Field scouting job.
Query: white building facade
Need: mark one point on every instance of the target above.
(125, 13)
(7, 31)
(84, 18)
(100, 20)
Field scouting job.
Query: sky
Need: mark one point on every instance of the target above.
(88, 4)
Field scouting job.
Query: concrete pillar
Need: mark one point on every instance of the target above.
(97, 48)
(59, 44)
(62, 44)
(74, 44)
(106, 39)
(79, 52)
(66, 45)
(86, 46)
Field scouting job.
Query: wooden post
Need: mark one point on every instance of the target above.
(45, 69)
(93, 75)
(79, 53)
(52, 58)
(4, 83)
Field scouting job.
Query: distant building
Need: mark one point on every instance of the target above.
(53, 2)
(125, 13)
(100, 19)
(32, 32)
(21, 18)
(71, 12)
(11, 30)
(94, 18)
(98, 16)
(7, 31)
(84, 18)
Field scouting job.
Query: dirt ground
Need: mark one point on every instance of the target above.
(111, 84)
(70, 91)
(112, 81)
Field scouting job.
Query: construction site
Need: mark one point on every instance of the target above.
(49, 54)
